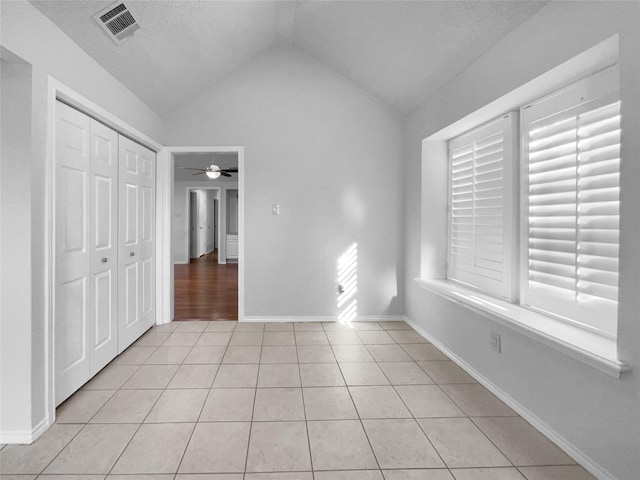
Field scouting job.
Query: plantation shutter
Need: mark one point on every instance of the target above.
(569, 241)
(481, 207)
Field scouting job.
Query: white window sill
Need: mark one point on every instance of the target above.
(587, 347)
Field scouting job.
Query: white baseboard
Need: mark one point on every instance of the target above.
(381, 318)
(525, 413)
(24, 436)
(328, 318)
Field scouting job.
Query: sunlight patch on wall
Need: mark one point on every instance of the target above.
(347, 270)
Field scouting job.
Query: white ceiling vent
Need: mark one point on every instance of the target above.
(118, 21)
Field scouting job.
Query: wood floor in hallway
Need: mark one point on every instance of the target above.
(205, 290)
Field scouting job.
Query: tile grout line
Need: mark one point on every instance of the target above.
(306, 421)
(255, 396)
(357, 412)
(186, 447)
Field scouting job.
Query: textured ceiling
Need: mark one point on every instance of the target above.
(203, 160)
(399, 51)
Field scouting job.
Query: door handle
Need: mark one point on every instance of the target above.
(104, 260)
(132, 254)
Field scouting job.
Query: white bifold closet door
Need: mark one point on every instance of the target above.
(86, 182)
(90, 329)
(136, 277)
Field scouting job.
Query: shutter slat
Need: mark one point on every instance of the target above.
(563, 198)
(609, 194)
(559, 222)
(599, 291)
(563, 137)
(611, 222)
(568, 173)
(556, 269)
(602, 167)
(553, 233)
(553, 164)
(563, 258)
(553, 245)
(598, 276)
(559, 186)
(554, 152)
(606, 264)
(559, 125)
(602, 140)
(599, 236)
(549, 280)
(559, 210)
(488, 193)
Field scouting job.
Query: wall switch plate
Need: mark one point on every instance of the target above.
(495, 342)
(275, 209)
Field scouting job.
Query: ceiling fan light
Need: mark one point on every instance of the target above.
(213, 172)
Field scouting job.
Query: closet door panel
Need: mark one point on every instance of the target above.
(104, 256)
(72, 251)
(137, 284)
(147, 168)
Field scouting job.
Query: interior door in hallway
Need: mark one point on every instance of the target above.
(136, 282)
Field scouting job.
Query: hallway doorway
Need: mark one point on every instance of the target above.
(206, 229)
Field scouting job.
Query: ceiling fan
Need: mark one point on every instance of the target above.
(214, 171)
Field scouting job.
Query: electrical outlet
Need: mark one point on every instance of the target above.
(275, 209)
(494, 342)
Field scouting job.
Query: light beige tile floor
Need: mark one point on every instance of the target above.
(306, 401)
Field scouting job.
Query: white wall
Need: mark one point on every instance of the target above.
(329, 154)
(15, 258)
(28, 34)
(597, 414)
(180, 225)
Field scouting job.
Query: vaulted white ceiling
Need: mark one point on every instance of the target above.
(399, 51)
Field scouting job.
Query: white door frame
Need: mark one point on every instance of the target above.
(59, 91)
(164, 209)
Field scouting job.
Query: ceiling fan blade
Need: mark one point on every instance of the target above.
(199, 173)
(231, 170)
(189, 168)
(224, 174)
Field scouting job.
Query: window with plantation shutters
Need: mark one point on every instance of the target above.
(481, 207)
(570, 203)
